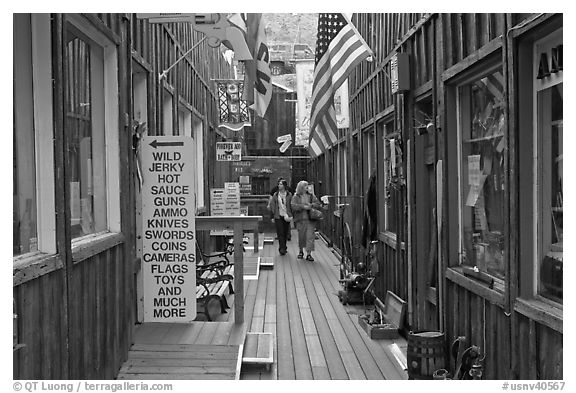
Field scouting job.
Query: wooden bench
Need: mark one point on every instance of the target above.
(213, 283)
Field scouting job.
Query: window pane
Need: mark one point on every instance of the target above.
(390, 174)
(550, 124)
(84, 125)
(261, 185)
(482, 184)
(24, 168)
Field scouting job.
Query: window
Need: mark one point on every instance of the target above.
(167, 114)
(482, 181)
(91, 105)
(139, 93)
(344, 169)
(199, 142)
(33, 161)
(392, 195)
(192, 127)
(547, 166)
(260, 185)
(338, 169)
(369, 143)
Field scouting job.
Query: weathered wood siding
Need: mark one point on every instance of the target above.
(440, 47)
(101, 314)
(76, 310)
(484, 324)
(41, 308)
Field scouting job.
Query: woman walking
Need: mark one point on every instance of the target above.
(280, 206)
(302, 202)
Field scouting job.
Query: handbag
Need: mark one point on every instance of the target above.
(315, 214)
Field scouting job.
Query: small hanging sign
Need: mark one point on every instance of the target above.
(228, 151)
(234, 113)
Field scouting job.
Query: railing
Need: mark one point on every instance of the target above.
(238, 224)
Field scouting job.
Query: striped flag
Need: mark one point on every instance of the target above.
(339, 48)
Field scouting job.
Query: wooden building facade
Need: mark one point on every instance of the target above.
(468, 165)
(85, 85)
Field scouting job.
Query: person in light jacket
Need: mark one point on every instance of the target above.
(281, 210)
(302, 202)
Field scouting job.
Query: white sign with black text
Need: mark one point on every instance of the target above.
(228, 151)
(168, 228)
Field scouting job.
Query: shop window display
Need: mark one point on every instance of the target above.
(84, 120)
(548, 164)
(481, 104)
(25, 238)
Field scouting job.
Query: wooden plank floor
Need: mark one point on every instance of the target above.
(314, 335)
(182, 361)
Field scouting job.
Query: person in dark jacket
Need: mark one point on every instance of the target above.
(272, 192)
(281, 210)
(302, 202)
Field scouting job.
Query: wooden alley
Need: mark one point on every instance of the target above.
(314, 335)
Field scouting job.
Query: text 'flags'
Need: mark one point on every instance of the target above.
(339, 48)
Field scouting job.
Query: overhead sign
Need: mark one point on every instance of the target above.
(228, 151)
(167, 17)
(168, 227)
(284, 138)
(285, 146)
(219, 29)
(399, 73)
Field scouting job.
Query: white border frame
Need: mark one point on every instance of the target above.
(43, 132)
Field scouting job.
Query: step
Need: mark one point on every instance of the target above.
(258, 349)
(267, 263)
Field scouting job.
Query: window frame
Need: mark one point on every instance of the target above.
(111, 126)
(537, 164)
(41, 51)
(499, 293)
(388, 131)
(167, 112)
(527, 302)
(489, 69)
(198, 135)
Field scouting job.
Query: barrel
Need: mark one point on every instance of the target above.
(425, 354)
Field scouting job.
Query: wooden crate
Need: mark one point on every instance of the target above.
(392, 315)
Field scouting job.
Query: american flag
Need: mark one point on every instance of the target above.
(339, 48)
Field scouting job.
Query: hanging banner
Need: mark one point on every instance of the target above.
(228, 151)
(234, 113)
(304, 82)
(168, 227)
(341, 105)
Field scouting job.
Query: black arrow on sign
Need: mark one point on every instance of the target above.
(155, 144)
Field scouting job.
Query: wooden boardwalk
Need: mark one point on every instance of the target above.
(315, 336)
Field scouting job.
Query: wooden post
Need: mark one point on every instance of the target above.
(256, 239)
(238, 224)
(439, 197)
(238, 274)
